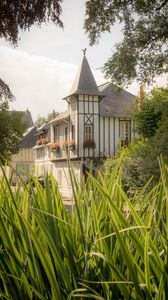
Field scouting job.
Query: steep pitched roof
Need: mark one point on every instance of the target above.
(26, 117)
(116, 103)
(84, 82)
(29, 138)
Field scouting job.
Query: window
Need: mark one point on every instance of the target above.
(56, 133)
(73, 132)
(66, 133)
(125, 132)
(88, 132)
(59, 179)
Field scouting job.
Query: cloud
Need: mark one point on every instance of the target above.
(38, 83)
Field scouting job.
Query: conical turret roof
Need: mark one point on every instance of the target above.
(84, 82)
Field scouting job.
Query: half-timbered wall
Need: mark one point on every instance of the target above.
(109, 135)
(88, 115)
(113, 132)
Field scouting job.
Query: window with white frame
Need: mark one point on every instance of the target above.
(125, 131)
(88, 132)
(56, 133)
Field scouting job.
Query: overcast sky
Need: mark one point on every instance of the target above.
(41, 70)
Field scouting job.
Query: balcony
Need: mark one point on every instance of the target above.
(69, 144)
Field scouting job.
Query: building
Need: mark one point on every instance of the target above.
(98, 118)
(23, 162)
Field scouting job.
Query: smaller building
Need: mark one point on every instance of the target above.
(41, 150)
(23, 162)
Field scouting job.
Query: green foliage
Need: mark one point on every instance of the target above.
(11, 129)
(16, 15)
(5, 95)
(142, 53)
(153, 111)
(41, 120)
(140, 160)
(107, 247)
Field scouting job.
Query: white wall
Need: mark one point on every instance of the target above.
(109, 135)
(65, 184)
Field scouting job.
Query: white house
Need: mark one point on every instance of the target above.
(98, 118)
(23, 161)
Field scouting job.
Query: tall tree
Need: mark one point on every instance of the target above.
(143, 51)
(22, 14)
(41, 119)
(140, 160)
(153, 111)
(11, 132)
(18, 15)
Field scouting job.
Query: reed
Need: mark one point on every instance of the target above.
(108, 246)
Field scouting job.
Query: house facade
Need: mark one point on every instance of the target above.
(22, 163)
(97, 120)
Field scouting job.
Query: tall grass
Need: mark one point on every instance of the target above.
(107, 247)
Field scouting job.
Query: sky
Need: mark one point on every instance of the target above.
(41, 70)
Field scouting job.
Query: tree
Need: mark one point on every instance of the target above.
(11, 129)
(153, 109)
(5, 95)
(18, 15)
(143, 51)
(41, 120)
(140, 161)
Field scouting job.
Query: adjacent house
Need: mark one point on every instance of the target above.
(97, 120)
(23, 162)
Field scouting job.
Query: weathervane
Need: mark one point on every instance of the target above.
(84, 51)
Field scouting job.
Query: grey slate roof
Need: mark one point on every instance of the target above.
(29, 138)
(45, 126)
(116, 103)
(84, 82)
(26, 117)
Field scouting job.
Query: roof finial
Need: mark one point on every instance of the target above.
(84, 51)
